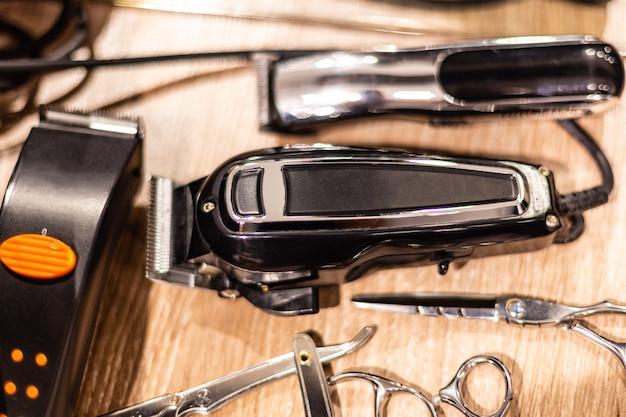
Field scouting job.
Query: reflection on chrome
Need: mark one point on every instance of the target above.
(546, 76)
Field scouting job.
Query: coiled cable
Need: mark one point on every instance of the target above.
(17, 88)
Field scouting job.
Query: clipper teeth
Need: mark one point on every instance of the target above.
(158, 248)
(98, 120)
(46, 109)
(262, 70)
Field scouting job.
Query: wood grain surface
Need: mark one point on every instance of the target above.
(155, 338)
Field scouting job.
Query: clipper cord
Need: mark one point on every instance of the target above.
(579, 201)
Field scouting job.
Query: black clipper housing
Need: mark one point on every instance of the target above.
(277, 224)
(72, 187)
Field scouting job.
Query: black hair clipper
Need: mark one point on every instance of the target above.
(550, 76)
(275, 225)
(62, 212)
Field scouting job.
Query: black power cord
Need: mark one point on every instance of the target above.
(34, 47)
(572, 205)
(580, 201)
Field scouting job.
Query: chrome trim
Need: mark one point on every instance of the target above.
(332, 85)
(533, 199)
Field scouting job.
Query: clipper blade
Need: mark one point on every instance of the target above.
(159, 236)
(263, 63)
(100, 120)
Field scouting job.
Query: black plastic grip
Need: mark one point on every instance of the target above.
(358, 189)
(74, 184)
(532, 72)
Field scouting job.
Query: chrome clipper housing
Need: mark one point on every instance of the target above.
(547, 77)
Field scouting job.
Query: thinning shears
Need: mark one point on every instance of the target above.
(385, 388)
(207, 398)
(511, 308)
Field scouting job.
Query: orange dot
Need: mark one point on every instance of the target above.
(41, 360)
(32, 392)
(17, 355)
(10, 388)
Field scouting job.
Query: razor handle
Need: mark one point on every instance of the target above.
(548, 77)
(60, 220)
(286, 220)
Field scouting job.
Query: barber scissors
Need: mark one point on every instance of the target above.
(385, 388)
(511, 308)
(207, 398)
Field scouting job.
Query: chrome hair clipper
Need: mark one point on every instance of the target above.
(551, 76)
(275, 225)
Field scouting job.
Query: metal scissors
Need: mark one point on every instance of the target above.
(385, 388)
(511, 308)
(207, 398)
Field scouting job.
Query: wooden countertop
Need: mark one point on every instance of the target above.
(154, 338)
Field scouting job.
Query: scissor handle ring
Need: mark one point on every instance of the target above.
(451, 393)
(384, 388)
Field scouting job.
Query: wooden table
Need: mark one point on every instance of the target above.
(154, 338)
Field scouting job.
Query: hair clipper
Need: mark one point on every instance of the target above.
(277, 224)
(549, 76)
(60, 222)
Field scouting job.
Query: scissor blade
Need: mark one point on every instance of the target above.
(206, 398)
(452, 306)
